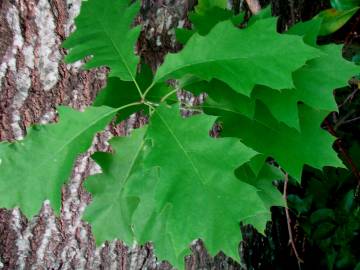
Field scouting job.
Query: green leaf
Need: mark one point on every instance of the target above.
(195, 178)
(222, 100)
(290, 148)
(103, 31)
(203, 23)
(206, 15)
(111, 209)
(118, 93)
(282, 104)
(204, 5)
(264, 13)
(345, 4)
(316, 81)
(356, 59)
(183, 35)
(334, 19)
(322, 215)
(323, 231)
(308, 30)
(34, 170)
(239, 57)
(263, 181)
(314, 84)
(302, 206)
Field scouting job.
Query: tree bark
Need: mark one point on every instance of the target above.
(33, 77)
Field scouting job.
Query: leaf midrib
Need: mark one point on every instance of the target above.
(130, 169)
(100, 22)
(209, 60)
(201, 178)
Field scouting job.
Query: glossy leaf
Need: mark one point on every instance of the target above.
(334, 19)
(345, 4)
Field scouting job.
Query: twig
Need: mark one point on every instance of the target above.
(351, 120)
(349, 97)
(291, 239)
(342, 120)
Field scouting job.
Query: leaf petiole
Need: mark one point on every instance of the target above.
(129, 105)
(147, 90)
(168, 95)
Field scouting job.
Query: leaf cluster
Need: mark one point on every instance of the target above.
(170, 182)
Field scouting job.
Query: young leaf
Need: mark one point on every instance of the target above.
(334, 19)
(103, 31)
(235, 57)
(34, 170)
(111, 209)
(195, 185)
(344, 4)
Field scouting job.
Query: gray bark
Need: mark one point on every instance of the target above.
(33, 81)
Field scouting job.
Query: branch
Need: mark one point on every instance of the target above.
(291, 239)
